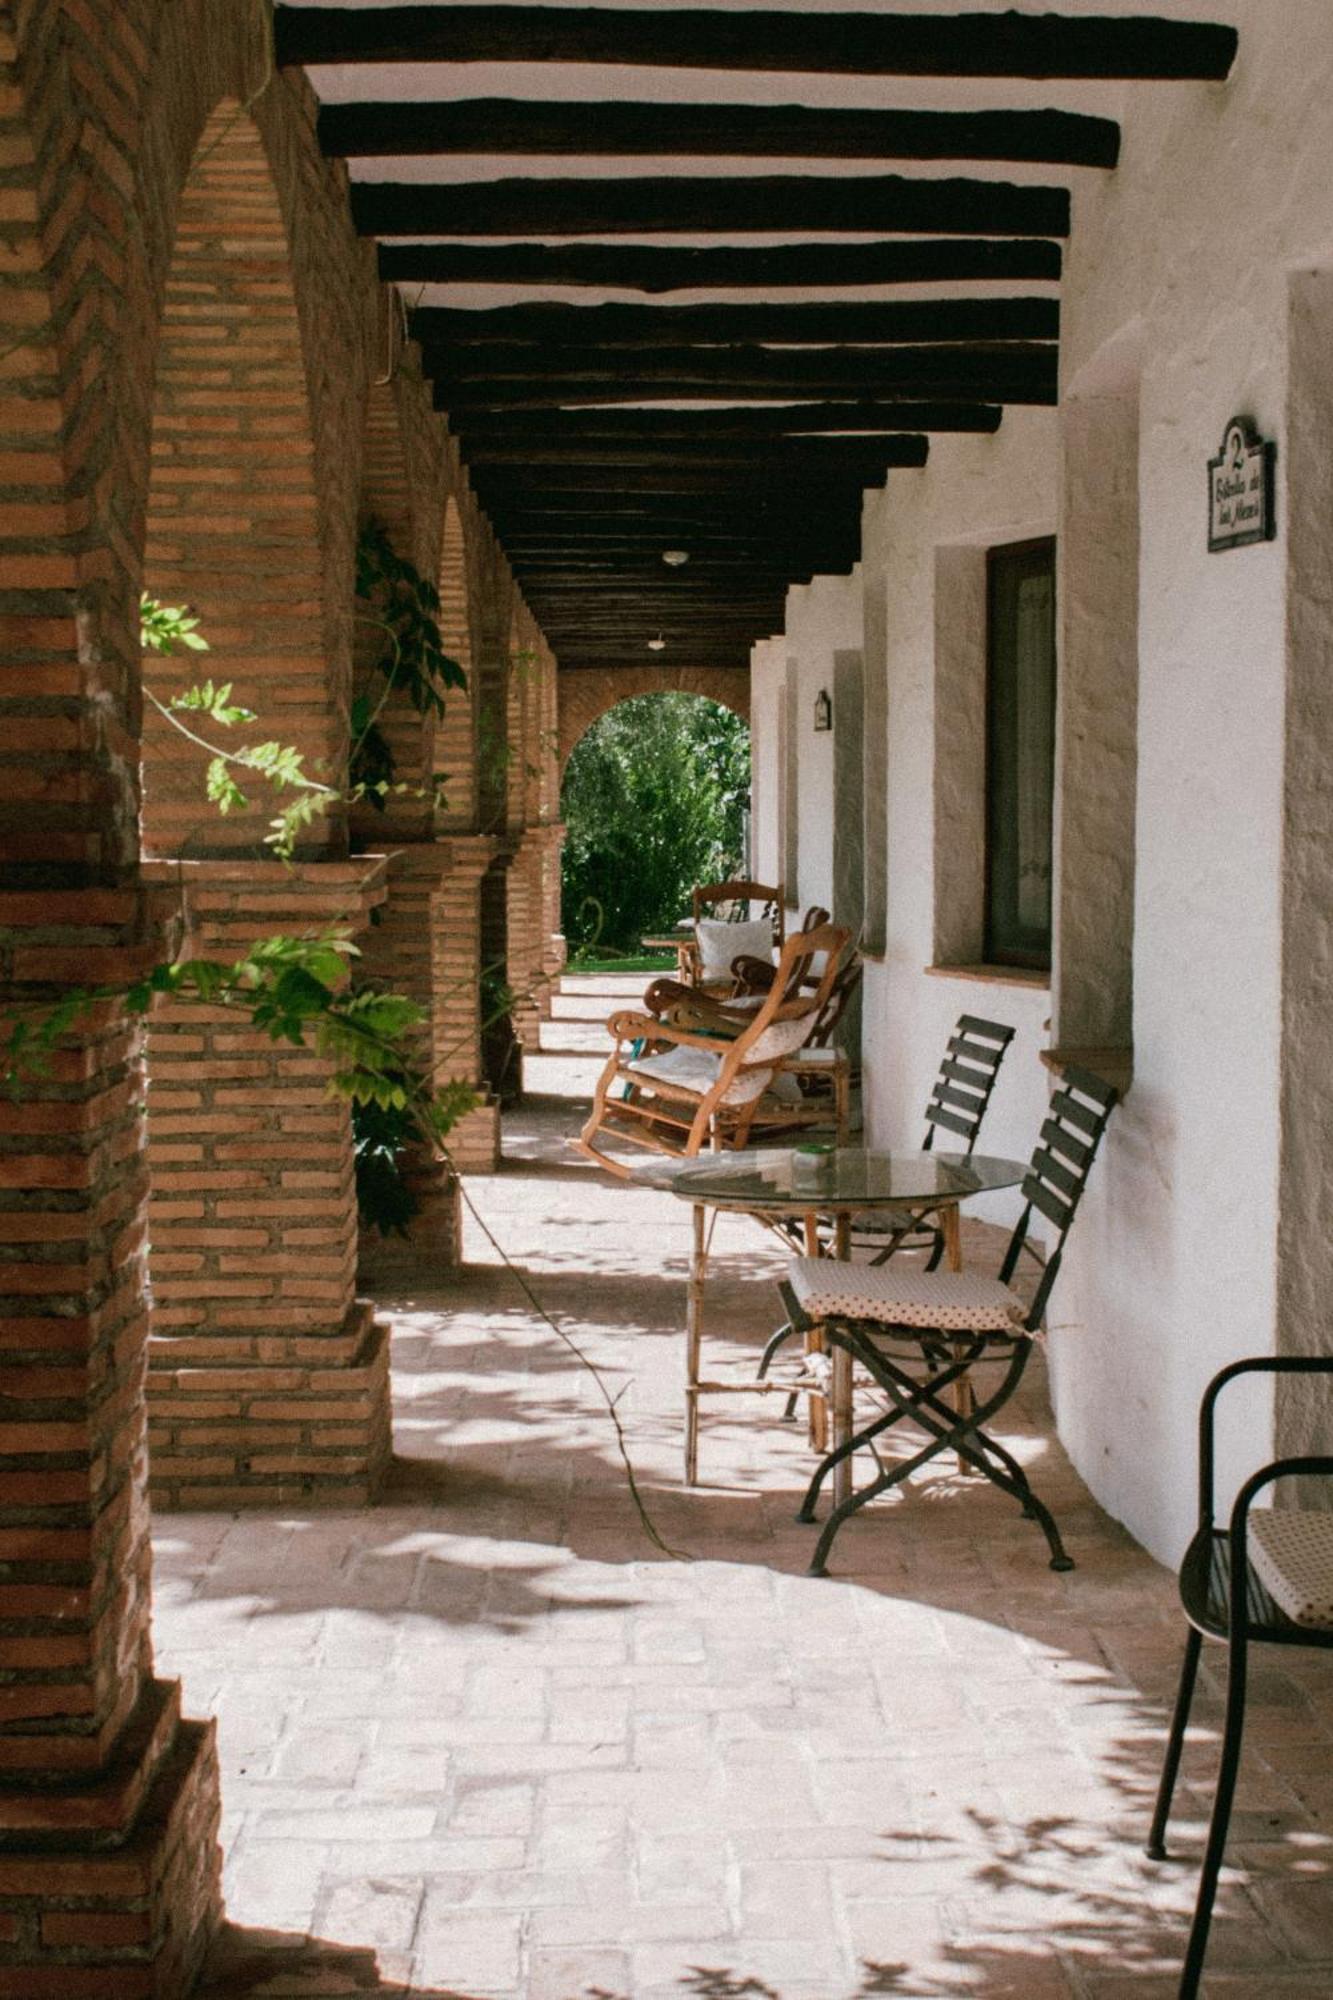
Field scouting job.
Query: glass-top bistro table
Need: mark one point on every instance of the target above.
(776, 1183)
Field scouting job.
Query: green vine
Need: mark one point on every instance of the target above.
(413, 662)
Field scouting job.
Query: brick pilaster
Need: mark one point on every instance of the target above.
(268, 1378)
(108, 1800)
(533, 955)
(474, 1144)
(410, 948)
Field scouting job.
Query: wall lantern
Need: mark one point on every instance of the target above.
(823, 710)
(675, 557)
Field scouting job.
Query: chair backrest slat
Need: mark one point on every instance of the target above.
(1062, 1141)
(1085, 1116)
(961, 1100)
(962, 1090)
(1040, 1196)
(1054, 1173)
(948, 1121)
(1058, 1172)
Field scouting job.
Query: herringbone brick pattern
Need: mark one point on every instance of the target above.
(488, 1743)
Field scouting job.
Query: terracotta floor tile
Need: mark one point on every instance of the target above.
(484, 1741)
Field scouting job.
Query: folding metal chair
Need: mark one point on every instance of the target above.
(956, 1106)
(892, 1321)
(1266, 1578)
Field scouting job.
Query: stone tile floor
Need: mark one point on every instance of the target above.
(485, 1742)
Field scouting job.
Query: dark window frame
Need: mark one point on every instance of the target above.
(1003, 943)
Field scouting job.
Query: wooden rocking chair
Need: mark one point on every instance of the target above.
(674, 1089)
(718, 906)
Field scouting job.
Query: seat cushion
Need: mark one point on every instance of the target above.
(1291, 1553)
(720, 942)
(961, 1301)
(689, 1068)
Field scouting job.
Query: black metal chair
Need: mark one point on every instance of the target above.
(1266, 1578)
(956, 1106)
(892, 1321)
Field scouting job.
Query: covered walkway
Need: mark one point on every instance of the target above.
(484, 1742)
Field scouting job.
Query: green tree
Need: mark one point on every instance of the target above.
(654, 801)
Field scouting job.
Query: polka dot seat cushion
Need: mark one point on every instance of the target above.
(961, 1301)
(1291, 1553)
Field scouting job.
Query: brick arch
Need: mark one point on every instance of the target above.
(586, 693)
(232, 513)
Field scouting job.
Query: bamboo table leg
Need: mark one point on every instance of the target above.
(814, 1344)
(841, 1398)
(694, 1327)
(951, 1229)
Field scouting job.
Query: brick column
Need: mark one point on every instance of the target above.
(410, 948)
(268, 1378)
(108, 1800)
(534, 957)
(474, 1143)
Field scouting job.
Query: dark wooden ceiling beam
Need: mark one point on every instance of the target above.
(496, 125)
(1006, 373)
(657, 513)
(614, 455)
(897, 321)
(708, 205)
(555, 572)
(743, 482)
(892, 44)
(794, 420)
(655, 270)
(714, 559)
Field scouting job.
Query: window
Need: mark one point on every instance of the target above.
(1020, 752)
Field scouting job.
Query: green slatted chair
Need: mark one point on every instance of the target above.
(918, 1333)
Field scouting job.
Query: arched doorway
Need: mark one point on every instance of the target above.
(655, 798)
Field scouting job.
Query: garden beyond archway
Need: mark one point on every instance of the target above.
(655, 799)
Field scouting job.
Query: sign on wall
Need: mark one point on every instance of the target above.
(1241, 488)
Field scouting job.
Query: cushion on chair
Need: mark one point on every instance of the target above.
(828, 1288)
(720, 942)
(782, 1038)
(1291, 1553)
(696, 1069)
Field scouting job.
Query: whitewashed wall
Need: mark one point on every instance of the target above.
(1216, 1180)
(823, 617)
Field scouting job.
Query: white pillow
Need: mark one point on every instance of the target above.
(720, 942)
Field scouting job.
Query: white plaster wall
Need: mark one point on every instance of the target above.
(768, 670)
(975, 491)
(1222, 193)
(823, 617)
(1222, 198)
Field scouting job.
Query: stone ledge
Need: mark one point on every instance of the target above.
(1114, 1065)
(1032, 977)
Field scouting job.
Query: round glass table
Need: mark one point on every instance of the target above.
(781, 1185)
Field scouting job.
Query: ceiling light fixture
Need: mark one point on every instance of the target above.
(657, 645)
(675, 557)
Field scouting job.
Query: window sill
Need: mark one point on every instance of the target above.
(1036, 980)
(1115, 1065)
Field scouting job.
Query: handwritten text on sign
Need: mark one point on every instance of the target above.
(1241, 489)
